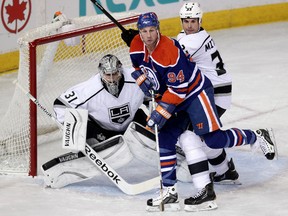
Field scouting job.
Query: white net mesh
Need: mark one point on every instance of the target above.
(58, 67)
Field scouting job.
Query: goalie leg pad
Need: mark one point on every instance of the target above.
(81, 169)
(69, 172)
(142, 143)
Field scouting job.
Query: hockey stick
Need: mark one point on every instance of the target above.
(158, 150)
(96, 3)
(99, 162)
(126, 35)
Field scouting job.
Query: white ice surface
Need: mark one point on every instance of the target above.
(257, 58)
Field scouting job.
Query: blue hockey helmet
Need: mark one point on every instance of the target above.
(147, 19)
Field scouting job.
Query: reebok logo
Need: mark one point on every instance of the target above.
(101, 164)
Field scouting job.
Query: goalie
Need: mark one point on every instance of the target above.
(112, 99)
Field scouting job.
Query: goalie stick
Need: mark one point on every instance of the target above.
(99, 162)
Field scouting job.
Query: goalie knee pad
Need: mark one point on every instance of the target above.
(142, 144)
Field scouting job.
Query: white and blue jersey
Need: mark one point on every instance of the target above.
(201, 49)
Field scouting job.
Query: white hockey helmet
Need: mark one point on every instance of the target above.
(110, 69)
(191, 10)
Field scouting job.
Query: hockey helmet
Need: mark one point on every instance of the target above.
(147, 19)
(191, 10)
(110, 69)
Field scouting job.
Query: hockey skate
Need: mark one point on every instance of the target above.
(202, 201)
(229, 177)
(265, 142)
(170, 201)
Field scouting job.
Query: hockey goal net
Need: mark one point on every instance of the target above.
(52, 60)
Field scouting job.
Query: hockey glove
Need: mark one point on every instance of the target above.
(143, 82)
(160, 115)
(128, 36)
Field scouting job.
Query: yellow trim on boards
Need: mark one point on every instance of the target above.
(9, 61)
(211, 21)
(232, 18)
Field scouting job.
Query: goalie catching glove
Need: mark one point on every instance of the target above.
(143, 82)
(128, 36)
(160, 115)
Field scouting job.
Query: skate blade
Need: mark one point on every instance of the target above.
(271, 133)
(228, 182)
(206, 206)
(172, 207)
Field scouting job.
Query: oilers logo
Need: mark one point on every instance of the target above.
(151, 76)
(120, 114)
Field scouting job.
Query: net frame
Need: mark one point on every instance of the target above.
(32, 49)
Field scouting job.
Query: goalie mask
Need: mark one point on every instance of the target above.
(110, 69)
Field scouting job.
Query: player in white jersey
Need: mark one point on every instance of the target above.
(113, 101)
(111, 98)
(200, 47)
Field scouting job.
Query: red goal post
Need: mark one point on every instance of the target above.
(50, 62)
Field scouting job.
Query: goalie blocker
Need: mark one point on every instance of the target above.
(75, 128)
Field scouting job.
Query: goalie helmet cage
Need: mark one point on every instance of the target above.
(51, 61)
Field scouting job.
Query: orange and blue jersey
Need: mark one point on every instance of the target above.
(173, 76)
(181, 83)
